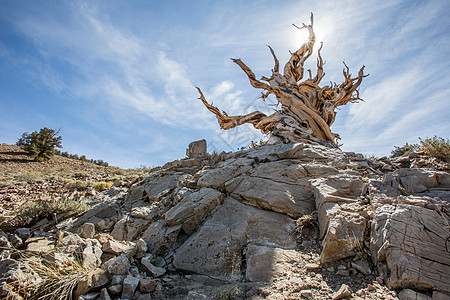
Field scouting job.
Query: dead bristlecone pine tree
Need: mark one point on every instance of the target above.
(307, 110)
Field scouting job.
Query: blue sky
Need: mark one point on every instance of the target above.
(119, 77)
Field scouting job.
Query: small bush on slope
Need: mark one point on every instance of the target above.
(101, 186)
(399, 151)
(34, 211)
(436, 147)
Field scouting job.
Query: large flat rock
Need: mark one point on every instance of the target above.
(192, 210)
(413, 243)
(302, 151)
(217, 246)
(292, 199)
(267, 263)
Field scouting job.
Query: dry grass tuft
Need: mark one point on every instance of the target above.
(306, 221)
(38, 278)
(102, 186)
(32, 212)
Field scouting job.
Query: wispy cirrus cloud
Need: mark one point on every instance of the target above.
(113, 65)
(139, 66)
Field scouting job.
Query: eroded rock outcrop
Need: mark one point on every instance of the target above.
(238, 216)
(411, 243)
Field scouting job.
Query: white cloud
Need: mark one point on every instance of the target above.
(115, 66)
(383, 99)
(152, 74)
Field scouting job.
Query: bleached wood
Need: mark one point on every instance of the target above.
(305, 110)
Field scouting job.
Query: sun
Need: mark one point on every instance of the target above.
(323, 29)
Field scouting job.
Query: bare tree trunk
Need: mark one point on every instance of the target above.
(306, 110)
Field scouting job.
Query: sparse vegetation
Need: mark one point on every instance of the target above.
(406, 148)
(33, 211)
(79, 185)
(46, 279)
(305, 221)
(102, 186)
(228, 293)
(436, 147)
(40, 145)
(30, 176)
(143, 169)
(256, 144)
(356, 245)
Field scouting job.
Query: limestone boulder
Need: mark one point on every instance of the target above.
(197, 149)
(40, 245)
(130, 285)
(146, 212)
(118, 265)
(267, 263)
(141, 248)
(344, 235)
(342, 220)
(92, 254)
(302, 151)
(292, 199)
(160, 237)
(216, 247)
(291, 170)
(118, 248)
(129, 228)
(93, 280)
(419, 180)
(185, 165)
(192, 210)
(100, 212)
(413, 181)
(151, 269)
(411, 243)
(153, 188)
(86, 231)
(231, 168)
(408, 294)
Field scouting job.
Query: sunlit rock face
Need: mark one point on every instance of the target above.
(268, 216)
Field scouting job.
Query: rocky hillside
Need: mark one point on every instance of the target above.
(23, 180)
(288, 221)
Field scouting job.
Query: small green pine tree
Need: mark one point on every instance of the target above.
(40, 145)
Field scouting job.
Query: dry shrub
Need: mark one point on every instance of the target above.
(77, 185)
(437, 147)
(38, 278)
(32, 212)
(101, 186)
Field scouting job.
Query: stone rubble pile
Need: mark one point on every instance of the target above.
(231, 218)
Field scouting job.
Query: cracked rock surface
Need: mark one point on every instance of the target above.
(281, 221)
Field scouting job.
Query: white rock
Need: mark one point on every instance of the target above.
(151, 270)
(344, 291)
(411, 242)
(196, 149)
(117, 248)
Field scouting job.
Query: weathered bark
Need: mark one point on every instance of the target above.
(306, 110)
